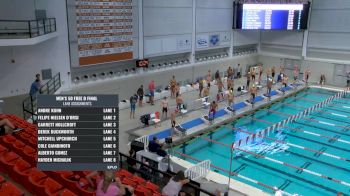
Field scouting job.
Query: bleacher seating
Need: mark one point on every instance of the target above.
(7, 188)
(18, 157)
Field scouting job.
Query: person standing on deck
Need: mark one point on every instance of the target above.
(296, 73)
(212, 110)
(269, 87)
(208, 78)
(253, 91)
(260, 72)
(307, 75)
(172, 86)
(273, 73)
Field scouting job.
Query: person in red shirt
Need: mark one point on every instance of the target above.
(151, 88)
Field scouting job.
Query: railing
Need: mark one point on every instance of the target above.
(198, 171)
(30, 103)
(13, 29)
(158, 177)
(144, 140)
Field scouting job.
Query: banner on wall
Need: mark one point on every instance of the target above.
(226, 37)
(183, 44)
(202, 41)
(214, 40)
(104, 30)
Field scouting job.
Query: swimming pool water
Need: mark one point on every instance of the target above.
(306, 132)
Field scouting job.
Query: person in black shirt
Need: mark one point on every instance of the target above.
(217, 75)
(154, 145)
(131, 161)
(140, 95)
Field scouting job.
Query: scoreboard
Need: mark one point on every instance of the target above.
(78, 132)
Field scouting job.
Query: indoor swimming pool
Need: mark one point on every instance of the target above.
(308, 156)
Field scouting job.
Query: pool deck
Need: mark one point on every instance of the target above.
(191, 119)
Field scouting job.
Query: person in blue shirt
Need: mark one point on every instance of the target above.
(36, 85)
(154, 145)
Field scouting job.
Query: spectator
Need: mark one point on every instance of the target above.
(151, 88)
(133, 101)
(36, 85)
(110, 185)
(173, 86)
(145, 171)
(140, 94)
(131, 161)
(6, 126)
(129, 191)
(175, 184)
(164, 105)
(99, 176)
(154, 145)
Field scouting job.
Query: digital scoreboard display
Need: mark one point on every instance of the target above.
(272, 16)
(78, 132)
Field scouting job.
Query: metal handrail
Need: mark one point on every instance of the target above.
(28, 28)
(24, 20)
(29, 103)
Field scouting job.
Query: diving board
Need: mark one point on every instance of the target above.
(192, 123)
(161, 135)
(220, 113)
(239, 106)
(284, 89)
(167, 132)
(257, 99)
(272, 93)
